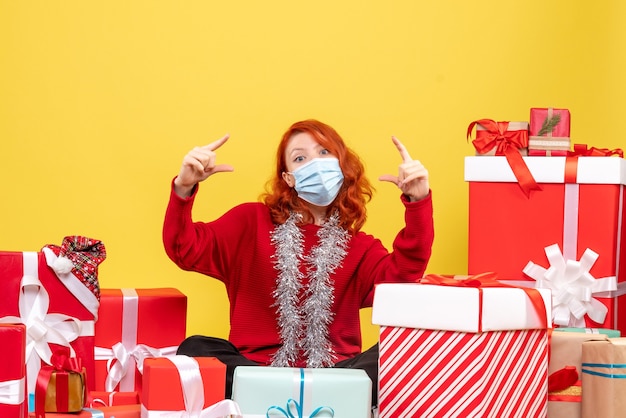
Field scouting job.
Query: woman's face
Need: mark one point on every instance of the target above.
(301, 149)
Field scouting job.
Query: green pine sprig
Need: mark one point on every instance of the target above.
(549, 124)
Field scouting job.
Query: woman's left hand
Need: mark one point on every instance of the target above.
(412, 176)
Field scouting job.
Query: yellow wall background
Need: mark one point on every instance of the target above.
(99, 102)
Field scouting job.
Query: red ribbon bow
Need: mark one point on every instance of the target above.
(62, 364)
(484, 280)
(582, 150)
(62, 361)
(507, 143)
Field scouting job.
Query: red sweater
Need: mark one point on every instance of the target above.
(236, 250)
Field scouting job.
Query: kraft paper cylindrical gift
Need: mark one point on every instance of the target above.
(604, 378)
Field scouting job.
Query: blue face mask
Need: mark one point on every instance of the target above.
(318, 181)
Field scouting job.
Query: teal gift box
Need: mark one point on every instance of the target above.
(279, 392)
(611, 333)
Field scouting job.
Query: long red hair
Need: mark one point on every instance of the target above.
(355, 192)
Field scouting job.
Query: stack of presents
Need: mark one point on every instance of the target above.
(532, 330)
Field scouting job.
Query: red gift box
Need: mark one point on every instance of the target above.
(462, 351)
(135, 324)
(549, 132)
(574, 225)
(181, 383)
(547, 153)
(13, 371)
(56, 305)
(118, 411)
(98, 399)
(548, 122)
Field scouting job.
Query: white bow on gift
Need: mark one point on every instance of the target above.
(43, 328)
(572, 287)
(121, 361)
(193, 395)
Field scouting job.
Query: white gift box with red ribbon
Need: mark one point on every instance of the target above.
(461, 351)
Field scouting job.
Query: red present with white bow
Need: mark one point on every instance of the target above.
(13, 402)
(54, 293)
(185, 387)
(572, 229)
(136, 324)
(462, 351)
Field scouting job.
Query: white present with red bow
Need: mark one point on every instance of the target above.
(460, 350)
(55, 294)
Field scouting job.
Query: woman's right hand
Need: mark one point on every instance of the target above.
(198, 165)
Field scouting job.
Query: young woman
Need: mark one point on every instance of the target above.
(296, 266)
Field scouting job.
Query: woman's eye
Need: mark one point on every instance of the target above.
(324, 152)
(298, 159)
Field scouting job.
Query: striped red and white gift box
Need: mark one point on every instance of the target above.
(482, 369)
(426, 373)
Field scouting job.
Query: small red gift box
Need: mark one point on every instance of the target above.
(97, 399)
(61, 387)
(569, 235)
(546, 152)
(549, 132)
(13, 371)
(181, 383)
(118, 411)
(56, 296)
(136, 324)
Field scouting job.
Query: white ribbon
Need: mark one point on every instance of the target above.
(572, 287)
(12, 391)
(121, 361)
(193, 395)
(124, 355)
(42, 328)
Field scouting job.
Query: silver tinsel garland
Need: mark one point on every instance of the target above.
(304, 326)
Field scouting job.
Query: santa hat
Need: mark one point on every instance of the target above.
(80, 256)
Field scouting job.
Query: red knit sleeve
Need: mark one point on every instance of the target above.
(412, 249)
(203, 247)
